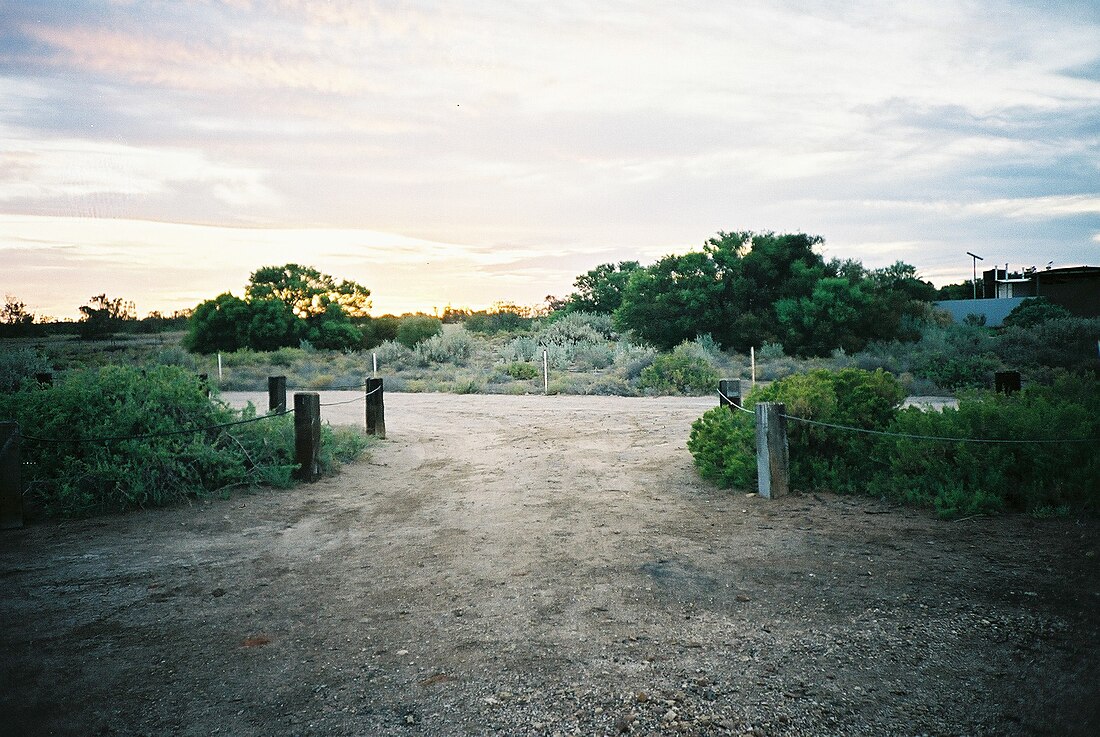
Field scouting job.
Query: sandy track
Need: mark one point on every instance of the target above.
(544, 565)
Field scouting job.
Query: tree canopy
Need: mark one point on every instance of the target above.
(746, 289)
(283, 306)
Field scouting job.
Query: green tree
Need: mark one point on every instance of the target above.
(417, 328)
(600, 290)
(307, 291)
(219, 324)
(673, 300)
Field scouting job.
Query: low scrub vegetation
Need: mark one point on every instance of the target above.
(108, 440)
(1046, 462)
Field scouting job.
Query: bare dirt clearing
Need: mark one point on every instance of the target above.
(545, 565)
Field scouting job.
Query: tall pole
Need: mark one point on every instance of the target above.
(976, 258)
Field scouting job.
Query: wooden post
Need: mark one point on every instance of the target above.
(44, 379)
(307, 435)
(276, 393)
(772, 460)
(11, 485)
(729, 393)
(376, 409)
(1006, 382)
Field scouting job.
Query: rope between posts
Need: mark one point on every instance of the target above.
(150, 436)
(910, 436)
(735, 404)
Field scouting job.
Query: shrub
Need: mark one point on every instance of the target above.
(417, 328)
(954, 477)
(522, 348)
(18, 367)
(523, 371)
(723, 443)
(454, 347)
(631, 360)
(80, 478)
(683, 371)
(1034, 311)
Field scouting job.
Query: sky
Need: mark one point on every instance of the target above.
(470, 152)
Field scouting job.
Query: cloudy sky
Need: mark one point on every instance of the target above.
(468, 152)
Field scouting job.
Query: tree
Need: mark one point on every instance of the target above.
(103, 316)
(673, 300)
(600, 290)
(307, 291)
(219, 324)
(15, 320)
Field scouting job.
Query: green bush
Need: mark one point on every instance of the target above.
(522, 370)
(723, 443)
(454, 347)
(417, 328)
(955, 477)
(18, 367)
(686, 370)
(70, 478)
(968, 478)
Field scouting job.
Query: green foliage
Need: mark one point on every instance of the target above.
(379, 330)
(81, 478)
(283, 306)
(18, 367)
(600, 290)
(417, 328)
(503, 319)
(952, 477)
(723, 443)
(968, 478)
(306, 291)
(748, 288)
(1034, 311)
(453, 347)
(522, 370)
(686, 370)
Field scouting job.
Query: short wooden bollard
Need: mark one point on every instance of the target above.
(729, 393)
(772, 459)
(307, 435)
(276, 393)
(376, 409)
(1006, 382)
(11, 484)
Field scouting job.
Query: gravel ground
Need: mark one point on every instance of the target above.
(546, 566)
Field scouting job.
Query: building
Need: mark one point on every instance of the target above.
(1076, 288)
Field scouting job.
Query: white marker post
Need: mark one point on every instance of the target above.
(752, 358)
(375, 357)
(545, 372)
(219, 367)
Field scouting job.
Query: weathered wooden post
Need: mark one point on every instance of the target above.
(307, 435)
(276, 393)
(11, 484)
(376, 409)
(1006, 382)
(772, 460)
(44, 379)
(729, 393)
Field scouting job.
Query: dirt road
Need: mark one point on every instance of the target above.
(543, 566)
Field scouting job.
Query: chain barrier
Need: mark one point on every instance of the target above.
(910, 436)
